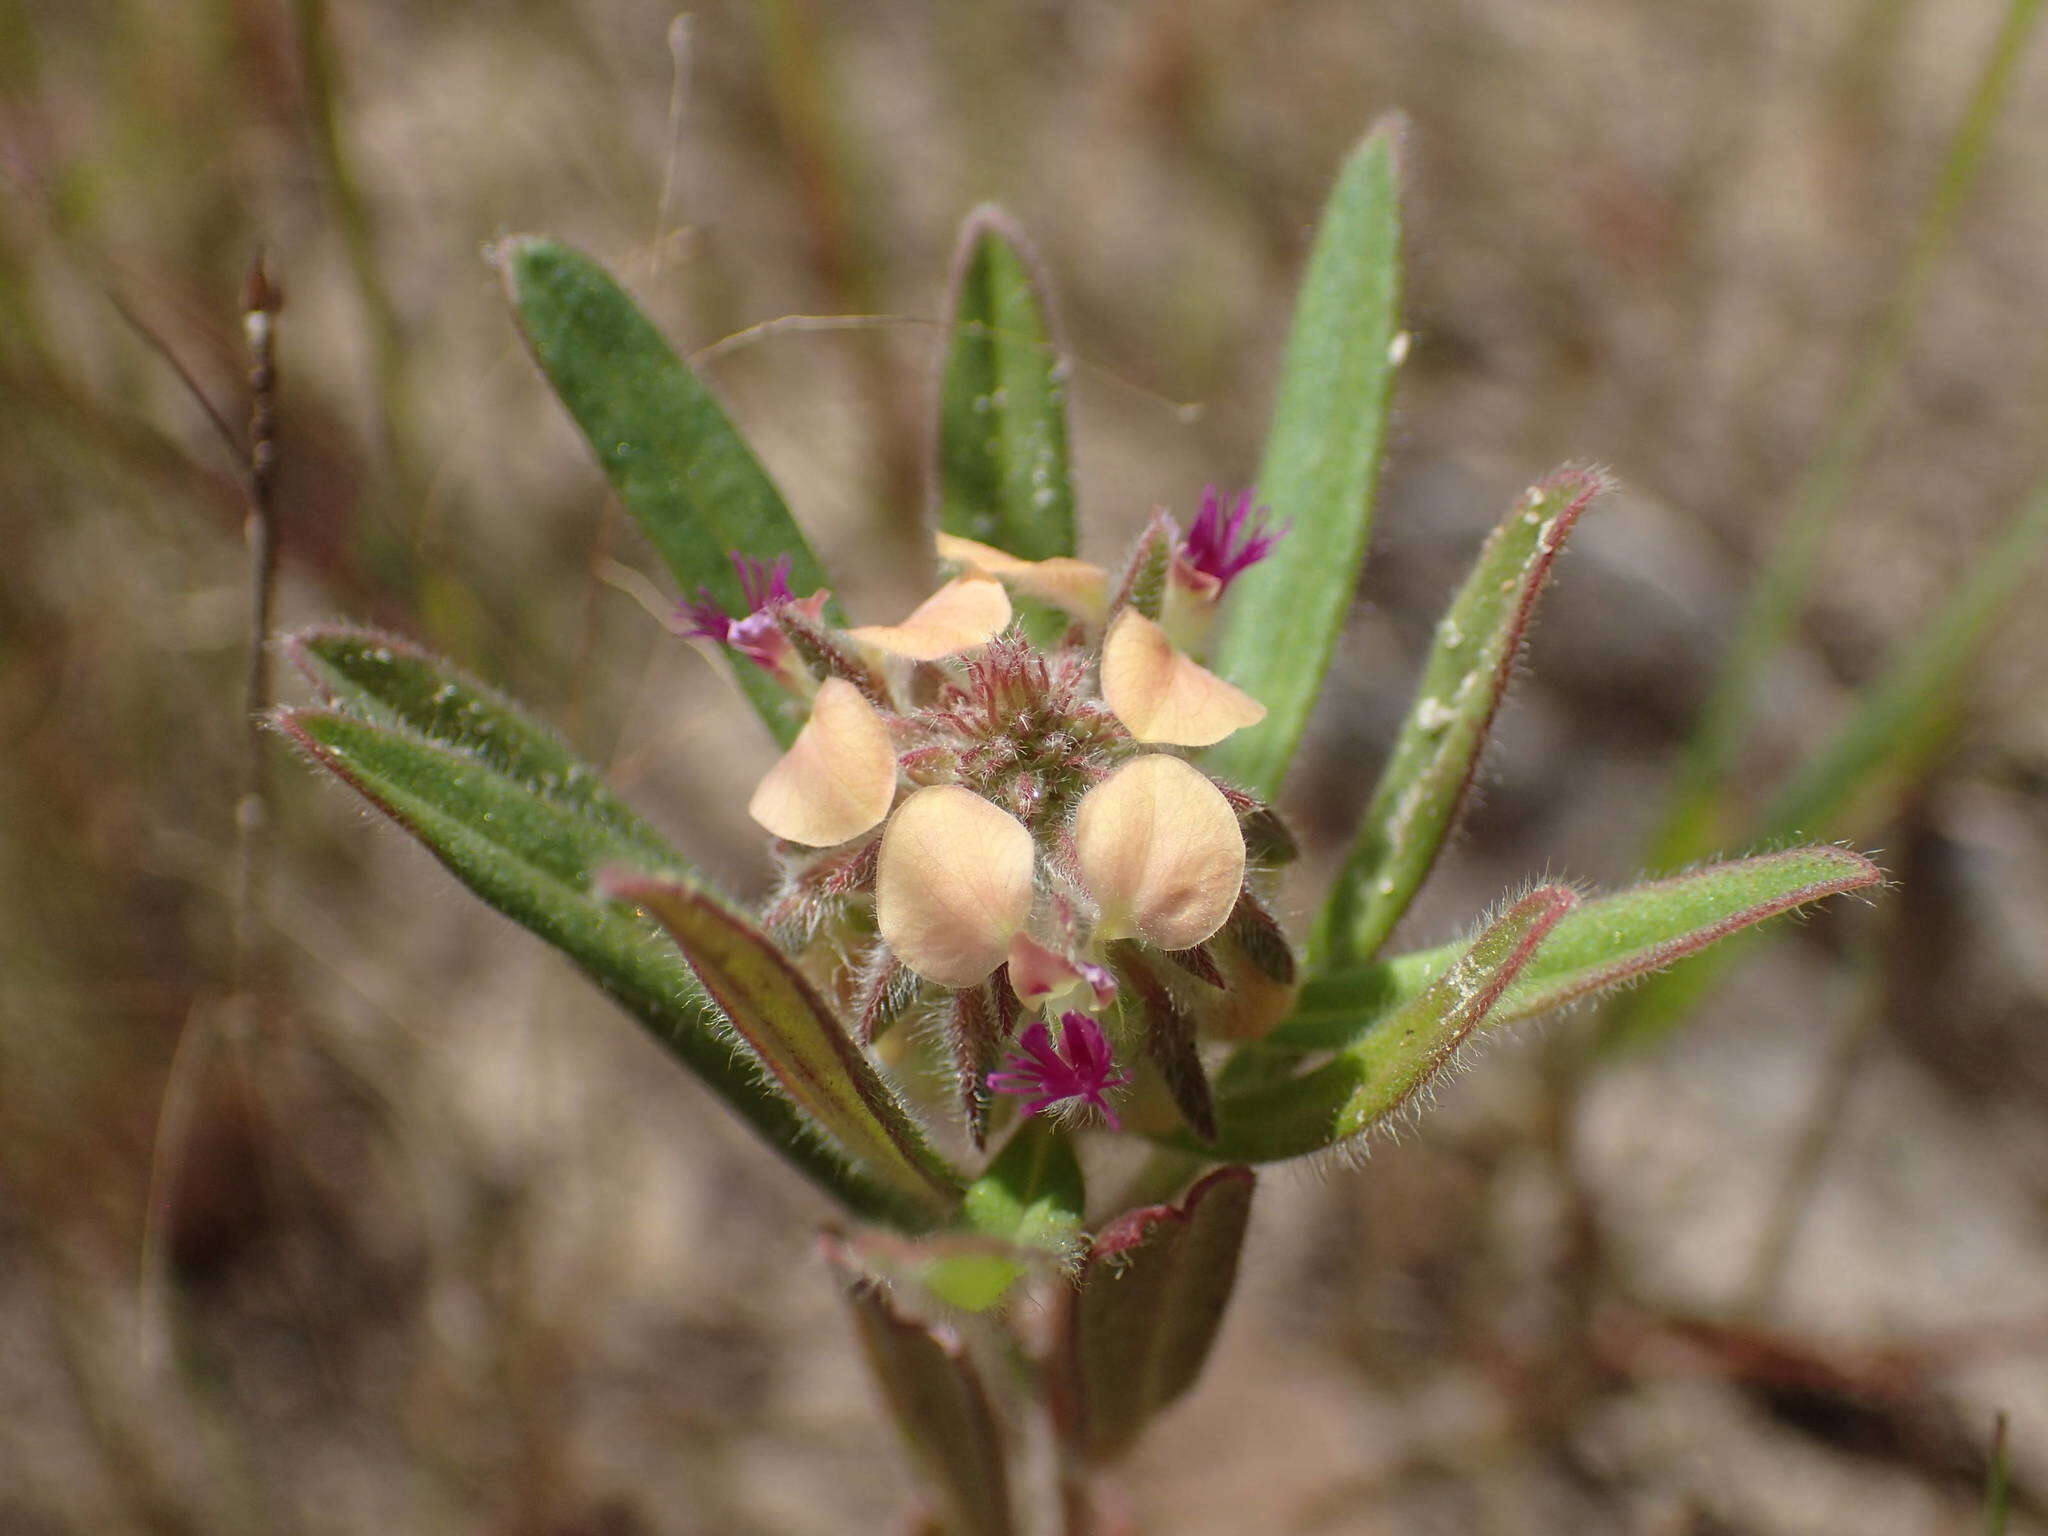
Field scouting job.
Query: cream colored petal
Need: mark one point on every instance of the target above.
(967, 611)
(1160, 851)
(1161, 695)
(838, 776)
(952, 884)
(1074, 586)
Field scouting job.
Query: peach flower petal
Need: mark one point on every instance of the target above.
(838, 777)
(953, 884)
(967, 611)
(1163, 696)
(1160, 851)
(1076, 587)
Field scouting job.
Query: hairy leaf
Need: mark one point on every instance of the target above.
(1004, 476)
(797, 1036)
(534, 859)
(1608, 941)
(1382, 1069)
(394, 682)
(664, 442)
(936, 1397)
(1145, 1309)
(1426, 778)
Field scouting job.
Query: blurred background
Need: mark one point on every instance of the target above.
(427, 1238)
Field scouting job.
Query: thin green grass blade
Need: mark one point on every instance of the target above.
(935, 1395)
(1004, 474)
(1379, 1071)
(1145, 1309)
(1320, 468)
(1607, 942)
(1692, 826)
(1997, 1477)
(796, 1035)
(664, 442)
(1900, 724)
(390, 681)
(534, 859)
(1907, 714)
(1425, 781)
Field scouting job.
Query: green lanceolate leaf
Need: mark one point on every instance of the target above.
(1144, 1311)
(1607, 941)
(1381, 1070)
(936, 1397)
(390, 681)
(1029, 1205)
(1004, 477)
(1470, 665)
(797, 1037)
(534, 859)
(1321, 463)
(675, 459)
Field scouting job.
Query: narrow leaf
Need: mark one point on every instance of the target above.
(675, 459)
(382, 678)
(1384, 1069)
(533, 860)
(797, 1036)
(1321, 463)
(936, 1397)
(1141, 1318)
(1609, 940)
(1426, 779)
(1004, 477)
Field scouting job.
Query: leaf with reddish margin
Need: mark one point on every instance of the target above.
(796, 1035)
(936, 1396)
(1145, 1309)
(1609, 941)
(532, 857)
(1383, 1069)
(1428, 774)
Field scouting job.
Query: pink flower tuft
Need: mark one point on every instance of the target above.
(1225, 543)
(764, 584)
(1084, 1073)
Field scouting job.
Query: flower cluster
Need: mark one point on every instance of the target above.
(987, 828)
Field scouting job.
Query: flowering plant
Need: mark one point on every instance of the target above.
(1026, 833)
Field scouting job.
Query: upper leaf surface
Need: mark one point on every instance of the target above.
(533, 859)
(1463, 682)
(1609, 940)
(394, 682)
(1378, 1071)
(664, 442)
(1004, 474)
(798, 1037)
(1321, 463)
